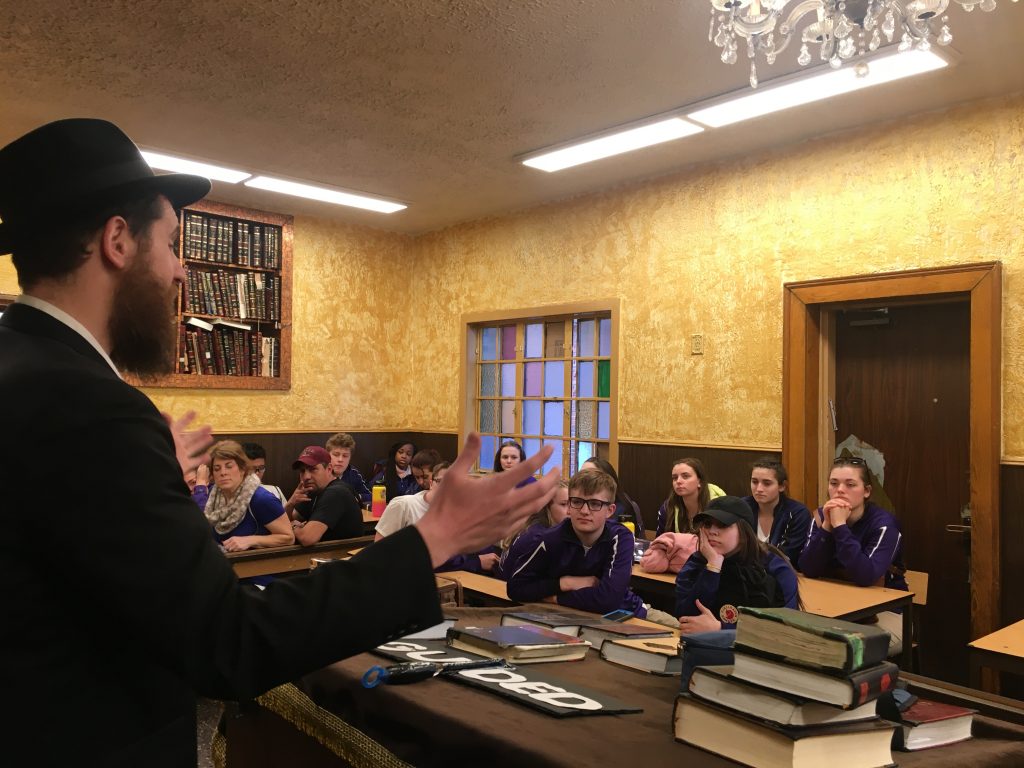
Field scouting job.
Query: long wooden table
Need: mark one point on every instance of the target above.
(439, 723)
(271, 560)
(1002, 650)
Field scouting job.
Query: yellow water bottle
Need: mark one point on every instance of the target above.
(380, 499)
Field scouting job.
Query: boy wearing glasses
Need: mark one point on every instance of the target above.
(584, 562)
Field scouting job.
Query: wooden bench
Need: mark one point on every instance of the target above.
(271, 560)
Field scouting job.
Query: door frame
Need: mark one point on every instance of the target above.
(808, 372)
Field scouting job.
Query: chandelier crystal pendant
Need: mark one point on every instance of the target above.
(829, 30)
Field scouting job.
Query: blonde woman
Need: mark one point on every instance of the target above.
(243, 514)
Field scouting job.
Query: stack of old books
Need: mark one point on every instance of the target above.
(801, 692)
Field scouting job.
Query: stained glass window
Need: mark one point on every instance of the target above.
(545, 381)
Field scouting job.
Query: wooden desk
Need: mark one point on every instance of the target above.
(440, 723)
(261, 562)
(1002, 650)
(485, 589)
(842, 600)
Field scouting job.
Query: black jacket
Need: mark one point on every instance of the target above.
(117, 605)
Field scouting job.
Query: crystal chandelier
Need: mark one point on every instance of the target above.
(834, 30)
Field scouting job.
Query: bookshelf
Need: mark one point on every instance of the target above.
(234, 319)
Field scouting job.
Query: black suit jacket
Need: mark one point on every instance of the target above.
(117, 605)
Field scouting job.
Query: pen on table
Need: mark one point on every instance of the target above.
(413, 672)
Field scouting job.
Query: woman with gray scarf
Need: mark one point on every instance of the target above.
(243, 514)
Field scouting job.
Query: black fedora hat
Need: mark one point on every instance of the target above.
(71, 167)
(728, 510)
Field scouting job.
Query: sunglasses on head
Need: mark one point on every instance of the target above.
(849, 461)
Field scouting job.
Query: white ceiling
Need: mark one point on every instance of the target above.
(428, 101)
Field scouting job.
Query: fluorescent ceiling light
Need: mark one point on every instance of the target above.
(823, 84)
(323, 194)
(180, 165)
(613, 144)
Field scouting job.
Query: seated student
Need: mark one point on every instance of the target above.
(323, 508)
(243, 514)
(856, 540)
(584, 562)
(730, 568)
(422, 467)
(513, 546)
(406, 510)
(626, 510)
(403, 511)
(258, 466)
(341, 446)
(201, 487)
(509, 454)
(781, 521)
(691, 492)
(397, 476)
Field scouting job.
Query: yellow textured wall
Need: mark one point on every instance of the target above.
(377, 316)
(708, 251)
(8, 279)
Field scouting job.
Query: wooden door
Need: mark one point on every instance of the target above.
(902, 384)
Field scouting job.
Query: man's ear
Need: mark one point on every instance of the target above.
(117, 243)
(611, 511)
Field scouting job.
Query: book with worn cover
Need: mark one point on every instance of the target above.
(566, 623)
(597, 632)
(717, 684)
(657, 655)
(929, 723)
(754, 742)
(520, 644)
(844, 691)
(811, 640)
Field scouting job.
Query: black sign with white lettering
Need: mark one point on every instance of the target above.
(523, 685)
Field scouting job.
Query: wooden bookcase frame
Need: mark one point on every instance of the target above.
(215, 381)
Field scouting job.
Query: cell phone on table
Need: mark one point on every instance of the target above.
(620, 615)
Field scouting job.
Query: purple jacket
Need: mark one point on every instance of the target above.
(521, 546)
(469, 562)
(790, 523)
(558, 552)
(861, 552)
(354, 479)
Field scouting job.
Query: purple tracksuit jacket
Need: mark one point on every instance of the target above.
(861, 553)
(558, 552)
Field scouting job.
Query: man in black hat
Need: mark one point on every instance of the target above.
(119, 608)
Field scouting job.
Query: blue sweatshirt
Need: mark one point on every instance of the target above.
(558, 552)
(861, 552)
(354, 479)
(695, 582)
(791, 522)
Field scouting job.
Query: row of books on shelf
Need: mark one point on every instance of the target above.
(246, 295)
(807, 690)
(223, 348)
(227, 241)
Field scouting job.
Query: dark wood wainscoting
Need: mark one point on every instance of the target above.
(1011, 516)
(645, 471)
(283, 447)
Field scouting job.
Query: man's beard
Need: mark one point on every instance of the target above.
(143, 334)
